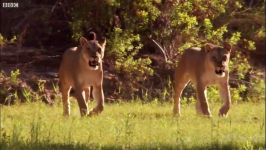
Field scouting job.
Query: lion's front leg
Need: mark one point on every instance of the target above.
(81, 102)
(225, 96)
(99, 97)
(86, 94)
(202, 100)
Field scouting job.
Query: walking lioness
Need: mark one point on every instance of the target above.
(81, 68)
(204, 66)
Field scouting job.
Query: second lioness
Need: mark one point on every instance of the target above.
(204, 66)
(80, 69)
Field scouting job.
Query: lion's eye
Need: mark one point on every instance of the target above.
(224, 58)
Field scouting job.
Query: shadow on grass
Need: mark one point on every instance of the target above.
(45, 146)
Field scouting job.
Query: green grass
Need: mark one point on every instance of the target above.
(132, 126)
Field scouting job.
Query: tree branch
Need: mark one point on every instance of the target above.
(162, 50)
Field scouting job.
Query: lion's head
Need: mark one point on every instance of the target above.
(92, 51)
(219, 57)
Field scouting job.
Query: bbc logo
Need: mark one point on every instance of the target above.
(10, 5)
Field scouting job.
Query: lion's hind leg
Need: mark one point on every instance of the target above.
(65, 90)
(181, 80)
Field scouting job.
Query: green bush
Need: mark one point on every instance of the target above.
(256, 90)
(129, 25)
(123, 48)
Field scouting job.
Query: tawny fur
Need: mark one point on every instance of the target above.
(203, 67)
(78, 71)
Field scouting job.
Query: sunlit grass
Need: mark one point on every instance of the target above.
(131, 125)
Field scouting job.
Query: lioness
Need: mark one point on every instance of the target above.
(81, 68)
(204, 66)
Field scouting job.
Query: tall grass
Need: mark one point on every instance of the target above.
(131, 126)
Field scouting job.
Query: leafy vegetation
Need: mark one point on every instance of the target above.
(135, 71)
(176, 25)
(15, 90)
(130, 26)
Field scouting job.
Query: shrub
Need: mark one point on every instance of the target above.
(123, 48)
(129, 25)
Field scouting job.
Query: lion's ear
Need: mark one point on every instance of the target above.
(83, 41)
(103, 47)
(208, 47)
(227, 46)
(92, 36)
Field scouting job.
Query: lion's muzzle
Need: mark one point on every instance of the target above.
(220, 71)
(94, 62)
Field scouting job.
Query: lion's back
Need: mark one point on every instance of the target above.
(68, 64)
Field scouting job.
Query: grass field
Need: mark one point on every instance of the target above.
(132, 125)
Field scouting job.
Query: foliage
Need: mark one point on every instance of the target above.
(14, 90)
(129, 27)
(2, 40)
(213, 94)
(123, 48)
(14, 76)
(256, 89)
(176, 25)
